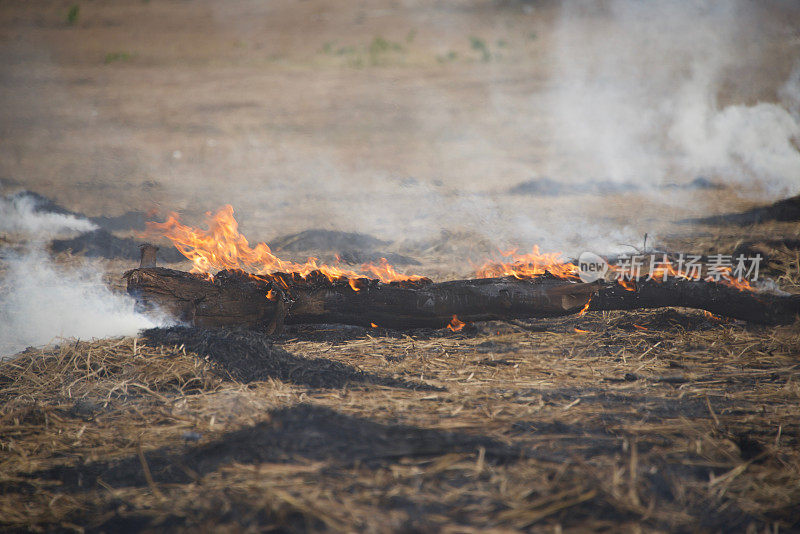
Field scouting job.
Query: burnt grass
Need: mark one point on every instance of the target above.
(248, 356)
(101, 243)
(786, 210)
(662, 421)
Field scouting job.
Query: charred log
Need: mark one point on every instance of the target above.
(235, 298)
(715, 298)
(428, 305)
(231, 299)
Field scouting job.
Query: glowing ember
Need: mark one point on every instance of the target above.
(585, 308)
(715, 318)
(579, 331)
(373, 325)
(529, 265)
(455, 324)
(223, 247)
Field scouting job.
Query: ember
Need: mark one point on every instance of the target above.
(456, 325)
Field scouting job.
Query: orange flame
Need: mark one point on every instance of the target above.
(529, 265)
(223, 247)
(455, 324)
(628, 285)
(668, 269)
(729, 280)
(386, 273)
(579, 331)
(354, 284)
(373, 325)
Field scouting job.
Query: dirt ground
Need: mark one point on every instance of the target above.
(389, 118)
(306, 115)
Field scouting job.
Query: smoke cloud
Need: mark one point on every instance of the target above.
(42, 301)
(25, 214)
(656, 92)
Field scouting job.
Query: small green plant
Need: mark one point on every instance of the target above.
(446, 58)
(479, 45)
(111, 57)
(327, 48)
(379, 47)
(502, 43)
(412, 33)
(72, 14)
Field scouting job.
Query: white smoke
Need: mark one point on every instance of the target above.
(23, 214)
(42, 301)
(658, 92)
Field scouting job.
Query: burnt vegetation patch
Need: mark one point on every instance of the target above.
(296, 434)
(248, 356)
(786, 210)
(101, 243)
(548, 187)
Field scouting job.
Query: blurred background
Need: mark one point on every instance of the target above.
(568, 124)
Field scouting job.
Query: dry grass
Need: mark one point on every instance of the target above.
(659, 421)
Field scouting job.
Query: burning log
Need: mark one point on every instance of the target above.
(265, 302)
(230, 299)
(234, 298)
(715, 298)
(531, 285)
(404, 305)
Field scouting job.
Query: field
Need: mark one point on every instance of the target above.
(421, 125)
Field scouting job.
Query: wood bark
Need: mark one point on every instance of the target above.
(231, 299)
(719, 299)
(429, 305)
(237, 299)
